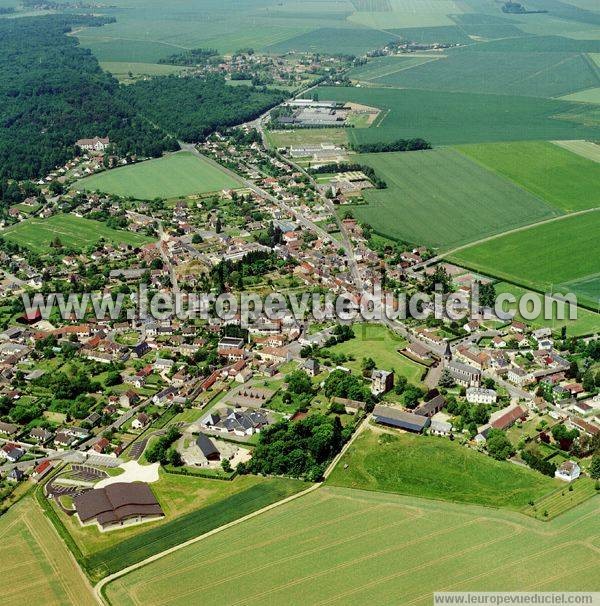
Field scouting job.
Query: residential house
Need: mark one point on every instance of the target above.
(568, 471)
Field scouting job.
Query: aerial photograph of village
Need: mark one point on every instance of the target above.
(299, 302)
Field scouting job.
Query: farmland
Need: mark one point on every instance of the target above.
(124, 71)
(542, 256)
(563, 179)
(468, 201)
(586, 149)
(539, 74)
(343, 546)
(379, 343)
(179, 174)
(446, 118)
(36, 563)
(435, 468)
(382, 67)
(587, 322)
(192, 506)
(306, 136)
(73, 232)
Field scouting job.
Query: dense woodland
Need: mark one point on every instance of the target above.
(203, 105)
(53, 92)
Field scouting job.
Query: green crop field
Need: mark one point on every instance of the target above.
(543, 256)
(446, 118)
(379, 343)
(435, 468)
(587, 322)
(340, 546)
(407, 13)
(381, 67)
(550, 74)
(192, 506)
(563, 179)
(73, 232)
(586, 149)
(36, 561)
(179, 174)
(468, 201)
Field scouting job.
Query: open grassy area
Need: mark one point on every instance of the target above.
(339, 546)
(587, 322)
(380, 68)
(379, 343)
(125, 71)
(538, 74)
(36, 565)
(436, 468)
(192, 506)
(563, 499)
(179, 174)
(446, 118)
(73, 232)
(557, 256)
(468, 201)
(565, 180)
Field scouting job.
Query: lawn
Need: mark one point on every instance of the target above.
(179, 174)
(587, 322)
(73, 232)
(382, 345)
(37, 567)
(467, 201)
(339, 546)
(446, 118)
(192, 506)
(436, 468)
(564, 179)
(543, 257)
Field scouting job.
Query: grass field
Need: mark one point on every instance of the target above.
(446, 118)
(379, 343)
(73, 232)
(179, 174)
(306, 136)
(381, 67)
(543, 256)
(587, 322)
(537, 74)
(192, 506)
(585, 149)
(563, 179)
(468, 201)
(37, 566)
(349, 547)
(561, 500)
(436, 468)
(122, 69)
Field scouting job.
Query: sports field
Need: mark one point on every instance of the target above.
(446, 118)
(564, 179)
(435, 468)
(379, 343)
(179, 174)
(73, 232)
(351, 547)
(37, 567)
(544, 256)
(468, 201)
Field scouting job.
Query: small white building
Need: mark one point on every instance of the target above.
(480, 395)
(568, 471)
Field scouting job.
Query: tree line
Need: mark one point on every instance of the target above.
(398, 145)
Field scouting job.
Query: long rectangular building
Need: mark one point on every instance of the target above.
(386, 415)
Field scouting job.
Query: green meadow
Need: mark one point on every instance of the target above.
(340, 546)
(73, 232)
(563, 179)
(468, 201)
(446, 118)
(179, 174)
(542, 257)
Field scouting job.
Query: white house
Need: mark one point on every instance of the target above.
(568, 471)
(479, 395)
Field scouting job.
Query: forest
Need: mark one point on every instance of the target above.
(203, 104)
(53, 92)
